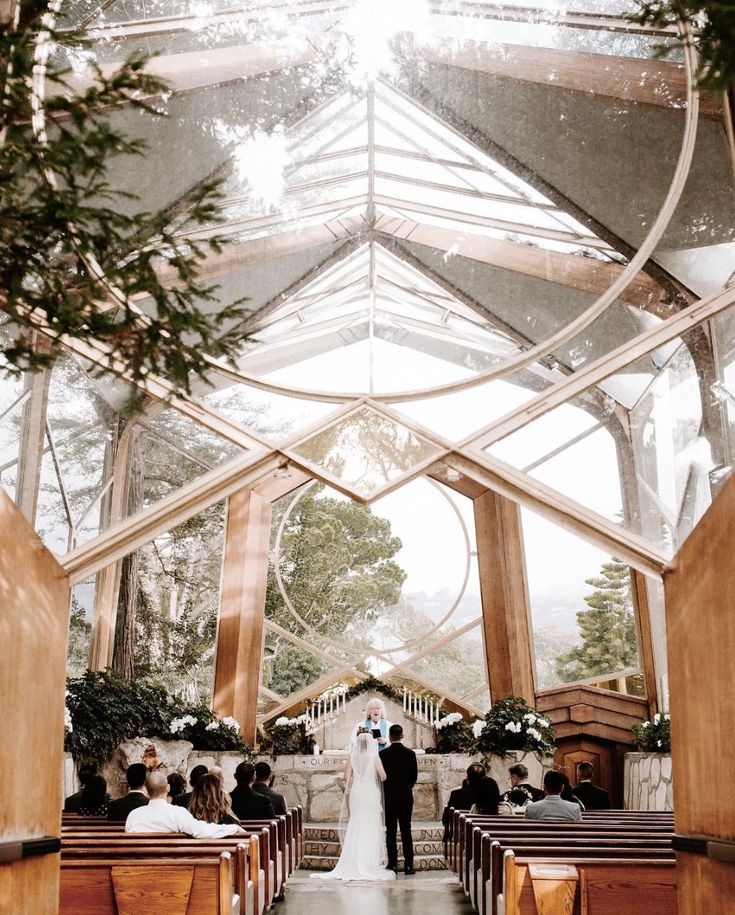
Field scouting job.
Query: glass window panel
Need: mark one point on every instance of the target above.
(177, 605)
(366, 450)
(288, 668)
(80, 628)
(457, 667)
(581, 607)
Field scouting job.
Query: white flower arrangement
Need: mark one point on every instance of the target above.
(514, 727)
(448, 720)
(532, 732)
(655, 735)
(286, 722)
(230, 722)
(477, 725)
(212, 726)
(178, 724)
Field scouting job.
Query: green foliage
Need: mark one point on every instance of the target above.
(511, 724)
(59, 216)
(609, 641)
(453, 734)
(105, 710)
(338, 569)
(288, 737)
(373, 685)
(714, 23)
(79, 633)
(654, 736)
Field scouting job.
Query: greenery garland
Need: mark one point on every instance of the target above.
(374, 685)
(103, 710)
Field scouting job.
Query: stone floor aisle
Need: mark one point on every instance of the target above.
(434, 892)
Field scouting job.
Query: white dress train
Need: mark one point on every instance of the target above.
(362, 822)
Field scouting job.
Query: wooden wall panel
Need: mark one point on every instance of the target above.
(34, 609)
(700, 623)
(242, 609)
(504, 592)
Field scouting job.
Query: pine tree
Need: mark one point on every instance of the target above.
(608, 629)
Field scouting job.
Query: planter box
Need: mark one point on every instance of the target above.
(648, 781)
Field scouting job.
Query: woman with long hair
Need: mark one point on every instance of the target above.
(94, 799)
(210, 802)
(487, 797)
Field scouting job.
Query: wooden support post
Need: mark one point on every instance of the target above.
(639, 593)
(241, 628)
(504, 592)
(108, 579)
(30, 449)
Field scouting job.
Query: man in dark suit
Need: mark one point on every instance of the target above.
(246, 803)
(136, 796)
(463, 798)
(182, 800)
(592, 796)
(401, 771)
(71, 803)
(262, 785)
(520, 791)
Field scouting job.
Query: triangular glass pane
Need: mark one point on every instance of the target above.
(366, 450)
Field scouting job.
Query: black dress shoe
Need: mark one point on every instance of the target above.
(392, 867)
(408, 871)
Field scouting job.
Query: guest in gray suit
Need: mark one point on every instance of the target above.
(552, 807)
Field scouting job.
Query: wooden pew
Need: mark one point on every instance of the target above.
(87, 843)
(146, 885)
(602, 886)
(245, 859)
(467, 823)
(491, 873)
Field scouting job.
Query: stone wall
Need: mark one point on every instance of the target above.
(648, 782)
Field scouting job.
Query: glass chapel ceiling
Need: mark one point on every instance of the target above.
(370, 164)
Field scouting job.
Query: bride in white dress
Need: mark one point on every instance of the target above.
(362, 820)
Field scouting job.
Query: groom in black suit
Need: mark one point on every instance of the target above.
(401, 771)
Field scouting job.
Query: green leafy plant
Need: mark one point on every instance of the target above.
(64, 227)
(654, 736)
(288, 736)
(373, 685)
(714, 25)
(104, 710)
(511, 724)
(453, 734)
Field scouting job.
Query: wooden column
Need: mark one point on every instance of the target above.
(30, 448)
(504, 592)
(34, 613)
(107, 585)
(700, 624)
(240, 631)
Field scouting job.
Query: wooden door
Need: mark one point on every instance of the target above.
(604, 757)
(34, 604)
(700, 625)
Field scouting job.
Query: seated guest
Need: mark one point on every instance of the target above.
(520, 791)
(246, 804)
(463, 798)
(160, 816)
(94, 799)
(488, 797)
(552, 807)
(136, 796)
(210, 802)
(592, 796)
(263, 784)
(566, 791)
(182, 800)
(176, 785)
(86, 771)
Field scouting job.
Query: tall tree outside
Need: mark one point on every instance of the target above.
(609, 642)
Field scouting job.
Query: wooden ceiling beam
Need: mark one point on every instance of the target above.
(660, 83)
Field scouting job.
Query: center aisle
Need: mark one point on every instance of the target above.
(429, 891)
